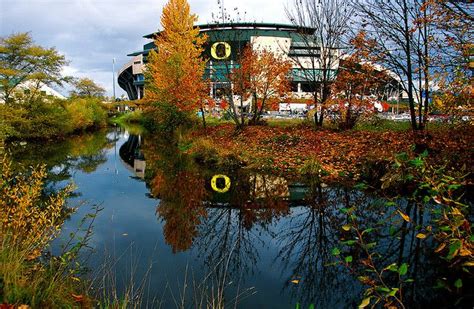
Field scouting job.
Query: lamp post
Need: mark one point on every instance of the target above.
(113, 78)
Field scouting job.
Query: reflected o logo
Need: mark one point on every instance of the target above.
(226, 183)
(220, 50)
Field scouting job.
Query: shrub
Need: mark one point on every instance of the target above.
(85, 113)
(29, 221)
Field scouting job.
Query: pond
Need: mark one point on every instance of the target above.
(168, 236)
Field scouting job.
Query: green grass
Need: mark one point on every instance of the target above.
(284, 123)
(34, 283)
(383, 125)
(129, 117)
(398, 126)
(214, 121)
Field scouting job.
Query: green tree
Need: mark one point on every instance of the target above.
(87, 88)
(22, 61)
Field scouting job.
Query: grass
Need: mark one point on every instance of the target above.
(383, 125)
(215, 121)
(39, 285)
(285, 123)
(135, 117)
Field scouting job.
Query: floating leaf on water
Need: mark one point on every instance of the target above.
(295, 281)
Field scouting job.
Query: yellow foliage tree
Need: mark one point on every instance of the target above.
(26, 219)
(175, 70)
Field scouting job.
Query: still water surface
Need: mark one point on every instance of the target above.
(265, 244)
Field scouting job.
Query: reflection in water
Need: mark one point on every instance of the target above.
(306, 241)
(79, 153)
(265, 226)
(130, 152)
(228, 230)
(181, 191)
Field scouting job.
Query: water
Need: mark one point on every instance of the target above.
(266, 243)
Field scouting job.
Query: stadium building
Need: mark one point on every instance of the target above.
(222, 50)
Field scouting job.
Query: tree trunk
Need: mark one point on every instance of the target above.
(426, 69)
(203, 118)
(254, 109)
(406, 33)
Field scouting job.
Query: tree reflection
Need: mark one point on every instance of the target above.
(236, 226)
(308, 238)
(181, 195)
(83, 153)
(180, 186)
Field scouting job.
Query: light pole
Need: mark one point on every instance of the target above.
(113, 77)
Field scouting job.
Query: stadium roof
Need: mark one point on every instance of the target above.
(261, 26)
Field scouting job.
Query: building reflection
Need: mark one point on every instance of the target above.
(132, 155)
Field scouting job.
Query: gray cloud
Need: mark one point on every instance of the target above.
(92, 32)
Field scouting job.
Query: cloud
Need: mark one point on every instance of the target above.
(90, 33)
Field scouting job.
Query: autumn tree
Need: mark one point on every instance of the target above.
(263, 76)
(224, 81)
(403, 36)
(86, 87)
(329, 21)
(452, 68)
(24, 63)
(175, 69)
(356, 87)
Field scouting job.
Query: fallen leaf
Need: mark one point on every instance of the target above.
(77, 298)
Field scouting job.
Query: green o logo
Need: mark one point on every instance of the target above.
(220, 50)
(226, 183)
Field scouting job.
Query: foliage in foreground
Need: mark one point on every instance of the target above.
(29, 221)
(429, 190)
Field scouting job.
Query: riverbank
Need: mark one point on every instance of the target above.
(285, 149)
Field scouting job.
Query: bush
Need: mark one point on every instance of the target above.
(85, 113)
(44, 117)
(167, 118)
(29, 221)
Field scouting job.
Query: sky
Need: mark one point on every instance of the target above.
(90, 33)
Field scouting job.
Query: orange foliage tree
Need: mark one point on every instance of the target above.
(356, 85)
(453, 65)
(175, 70)
(262, 76)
